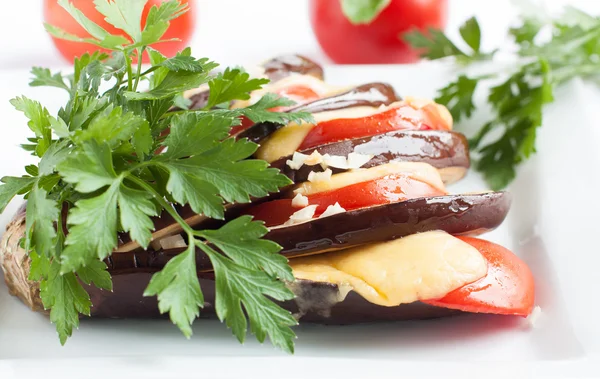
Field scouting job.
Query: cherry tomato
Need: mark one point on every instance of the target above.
(508, 288)
(397, 118)
(380, 41)
(385, 190)
(54, 14)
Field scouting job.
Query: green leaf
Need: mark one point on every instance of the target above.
(183, 63)
(89, 167)
(526, 33)
(60, 128)
(232, 85)
(39, 268)
(56, 153)
(123, 14)
(178, 290)
(195, 133)
(363, 11)
(112, 126)
(13, 186)
(458, 97)
(156, 58)
(135, 209)
(92, 229)
(237, 286)
(173, 84)
(200, 194)
(471, 33)
(96, 273)
(91, 27)
(44, 77)
(39, 121)
(434, 44)
(66, 298)
(241, 241)
(142, 141)
(41, 214)
(236, 181)
(158, 19)
(259, 112)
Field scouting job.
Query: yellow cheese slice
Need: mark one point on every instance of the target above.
(417, 267)
(417, 170)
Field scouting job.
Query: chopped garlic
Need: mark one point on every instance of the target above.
(300, 201)
(324, 176)
(336, 161)
(356, 160)
(313, 159)
(302, 215)
(534, 318)
(297, 161)
(332, 210)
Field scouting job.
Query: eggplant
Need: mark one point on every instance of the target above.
(371, 94)
(471, 214)
(445, 150)
(315, 302)
(282, 66)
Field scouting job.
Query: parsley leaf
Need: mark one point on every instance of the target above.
(232, 84)
(158, 19)
(39, 121)
(135, 211)
(250, 288)
(89, 168)
(123, 14)
(99, 214)
(259, 111)
(96, 273)
(67, 298)
(178, 290)
(41, 214)
(13, 186)
(44, 77)
(363, 11)
(240, 240)
(458, 97)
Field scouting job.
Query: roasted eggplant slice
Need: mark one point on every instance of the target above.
(285, 65)
(371, 94)
(444, 150)
(316, 302)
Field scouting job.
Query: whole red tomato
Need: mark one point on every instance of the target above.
(181, 27)
(379, 41)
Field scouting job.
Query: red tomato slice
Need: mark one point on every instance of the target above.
(386, 190)
(403, 117)
(507, 289)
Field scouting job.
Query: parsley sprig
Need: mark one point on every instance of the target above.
(517, 96)
(98, 175)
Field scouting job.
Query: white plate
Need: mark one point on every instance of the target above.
(552, 225)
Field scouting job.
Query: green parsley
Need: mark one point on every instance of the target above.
(363, 11)
(517, 97)
(98, 168)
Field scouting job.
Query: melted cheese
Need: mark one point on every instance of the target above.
(417, 170)
(417, 267)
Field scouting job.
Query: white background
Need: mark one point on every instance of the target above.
(239, 31)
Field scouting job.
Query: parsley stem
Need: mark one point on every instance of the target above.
(129, 72)
(163, 203)
(140, 52)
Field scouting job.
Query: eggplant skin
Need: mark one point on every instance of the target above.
(316, 302)
(471, 214)
(441, 149)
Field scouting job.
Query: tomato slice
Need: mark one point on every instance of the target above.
(404, 117)
(299, 94)
(507, 289)
(385, 190)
